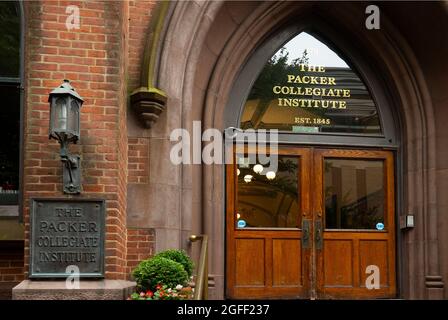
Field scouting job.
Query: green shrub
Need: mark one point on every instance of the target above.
(159, 270)
(179, 256)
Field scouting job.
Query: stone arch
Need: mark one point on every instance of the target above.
(201, 53)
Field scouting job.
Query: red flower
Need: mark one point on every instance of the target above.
(149, 293)
(159, 286)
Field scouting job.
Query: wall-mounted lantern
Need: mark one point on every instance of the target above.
(65, 105)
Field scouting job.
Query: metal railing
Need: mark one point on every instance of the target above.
(201, 283)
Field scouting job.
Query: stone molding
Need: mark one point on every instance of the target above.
(89, 290)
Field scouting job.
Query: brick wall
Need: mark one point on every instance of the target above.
(11, 261)
(11, 266)
(94, 58)
(141, 242)
(139, 18)
(103, 61)
(140, 245)
(118, 247)
(138, 160)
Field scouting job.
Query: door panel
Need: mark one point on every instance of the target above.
(265, 257)
(286, 274)
(315, 230)
(250, 258)
(338, 263)
(357, 209)
(374, 252)
(268, 265)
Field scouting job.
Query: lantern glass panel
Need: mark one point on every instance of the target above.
(61, 113)
(73, 119)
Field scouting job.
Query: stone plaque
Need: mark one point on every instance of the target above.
(67, 235)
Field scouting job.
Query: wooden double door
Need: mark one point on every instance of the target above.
(318, 224)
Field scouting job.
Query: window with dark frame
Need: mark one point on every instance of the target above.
(10, 108)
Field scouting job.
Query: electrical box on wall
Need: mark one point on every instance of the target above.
(407, 221)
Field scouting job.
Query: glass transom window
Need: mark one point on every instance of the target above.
(306, 87)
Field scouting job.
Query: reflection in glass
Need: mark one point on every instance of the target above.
(9, 39)
(307, 88)
(268, 202)
(73, 119)
(354, 194)
(61, 114)
(10, 107)
(9, 142)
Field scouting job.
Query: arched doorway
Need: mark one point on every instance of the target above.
(318, 219)
(200, 56)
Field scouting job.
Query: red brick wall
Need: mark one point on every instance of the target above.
(140, 245)
(118, 247)
(139, 18)
(141, 242)
(138, 160)
(94, 58)
(11, 261)
(103, 61)
(11, 267)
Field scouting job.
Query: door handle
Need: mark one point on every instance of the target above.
(306, 234)
(318, 237)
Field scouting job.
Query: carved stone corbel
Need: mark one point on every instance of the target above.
(148, 104)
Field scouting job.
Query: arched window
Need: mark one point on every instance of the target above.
(308, 90)
(10, 111)
(307, 87)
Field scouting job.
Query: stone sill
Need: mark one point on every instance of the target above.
(89, 290)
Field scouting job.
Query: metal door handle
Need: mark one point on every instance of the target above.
(318, 234)
(306, 234)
